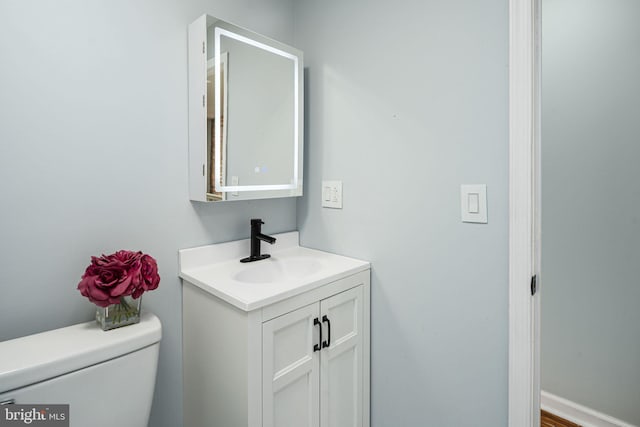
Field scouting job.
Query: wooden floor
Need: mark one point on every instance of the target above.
(549, 420)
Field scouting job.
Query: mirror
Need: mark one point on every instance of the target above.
(245, 114)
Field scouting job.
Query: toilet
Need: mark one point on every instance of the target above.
(106, 378)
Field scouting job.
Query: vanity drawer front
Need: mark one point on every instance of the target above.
(293, 303)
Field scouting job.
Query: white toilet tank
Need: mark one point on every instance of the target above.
(107, 378)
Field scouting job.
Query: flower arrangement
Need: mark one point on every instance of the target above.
(124, 273)
(115, 280)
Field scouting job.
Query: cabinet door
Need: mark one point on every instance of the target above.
(341, 370)
(290, 369)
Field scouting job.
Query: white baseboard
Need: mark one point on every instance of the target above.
(578, 414)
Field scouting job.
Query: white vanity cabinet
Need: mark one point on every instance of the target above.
(300, 361)
(310, 380)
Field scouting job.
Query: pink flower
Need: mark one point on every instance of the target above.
(123, 273)
(149, 274)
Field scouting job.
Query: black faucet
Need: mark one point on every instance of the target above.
(256, 236)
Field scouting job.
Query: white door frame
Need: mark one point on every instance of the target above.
(524, 339)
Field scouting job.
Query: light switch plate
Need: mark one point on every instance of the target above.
(332, 194)
(473, 203)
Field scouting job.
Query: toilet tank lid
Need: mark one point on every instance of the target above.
(34, 358)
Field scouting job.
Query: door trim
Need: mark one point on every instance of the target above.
(524, 394)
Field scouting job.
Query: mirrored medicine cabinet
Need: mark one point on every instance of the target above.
(245, 114)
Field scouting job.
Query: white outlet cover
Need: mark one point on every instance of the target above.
(332, 194)
(473, 203)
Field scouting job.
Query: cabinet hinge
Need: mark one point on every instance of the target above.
(203, 169)
(534, 284)
(203, 101)
(203, 47)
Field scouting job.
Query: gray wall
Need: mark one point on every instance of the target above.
(591, 204)
(93, 157)
(406, 101)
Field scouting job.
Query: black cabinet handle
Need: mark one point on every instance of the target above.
(316, 347)
(327, 343)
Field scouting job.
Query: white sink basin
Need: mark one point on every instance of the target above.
(291, 270)
(278, 268)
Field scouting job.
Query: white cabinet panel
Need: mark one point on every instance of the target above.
(341, 370)
(291, 370)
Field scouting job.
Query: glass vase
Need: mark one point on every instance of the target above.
(117, 315)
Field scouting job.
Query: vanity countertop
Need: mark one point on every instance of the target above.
(291, 270)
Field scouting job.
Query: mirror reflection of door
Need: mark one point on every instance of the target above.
(213, 127)
(590, 268)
